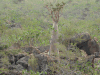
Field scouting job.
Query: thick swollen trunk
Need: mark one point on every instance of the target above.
(54, 38)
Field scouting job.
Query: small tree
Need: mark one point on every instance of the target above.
(54, 12)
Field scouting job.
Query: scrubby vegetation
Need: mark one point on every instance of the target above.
(28, 23)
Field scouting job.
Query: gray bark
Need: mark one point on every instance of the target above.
(54, 38)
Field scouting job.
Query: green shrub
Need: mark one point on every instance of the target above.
(33, 63)
(25, 72)
(13, 51)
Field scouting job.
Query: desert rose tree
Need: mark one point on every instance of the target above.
(54, 11)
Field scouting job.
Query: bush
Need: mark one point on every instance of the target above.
(33, 63)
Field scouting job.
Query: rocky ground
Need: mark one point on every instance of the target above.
(79, 50)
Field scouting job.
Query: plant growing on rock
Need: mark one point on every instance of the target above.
(54, 11)
(5, 62)
(33, 62)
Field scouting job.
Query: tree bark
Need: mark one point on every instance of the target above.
(54, 38)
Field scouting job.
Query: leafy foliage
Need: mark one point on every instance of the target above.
(33, 63)
(25, 72)
(32, 26)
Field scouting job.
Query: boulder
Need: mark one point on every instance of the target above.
(11, 73)
(43, 61)
(84, 42)
(16, 67)
(79, 38)
(31, 49)
(43, 48)
(11, 59)
(93, 46)
(12, 67)
(18, 62)
(17, 57)
(90, 60)
(23, 61)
